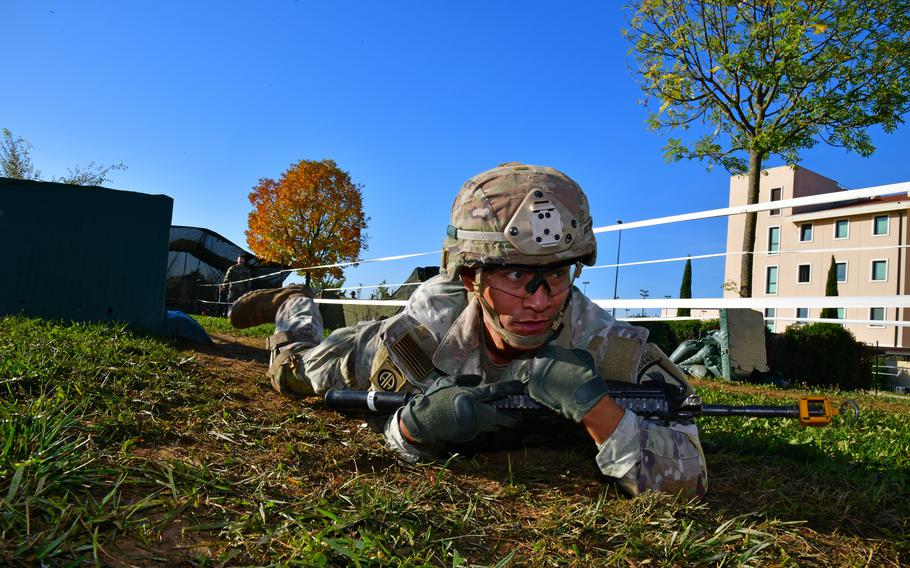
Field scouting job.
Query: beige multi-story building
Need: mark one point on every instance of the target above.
(779, 269)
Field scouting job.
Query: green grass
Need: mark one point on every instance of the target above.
(213, 324)
(120, 446)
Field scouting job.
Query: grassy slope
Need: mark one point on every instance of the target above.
(117, 447)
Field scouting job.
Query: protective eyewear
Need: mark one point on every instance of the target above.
(522, 281)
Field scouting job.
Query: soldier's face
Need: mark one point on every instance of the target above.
(521, 312)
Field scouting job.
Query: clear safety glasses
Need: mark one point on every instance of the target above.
(522, 281)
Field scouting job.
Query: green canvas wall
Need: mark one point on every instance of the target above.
(83, 253)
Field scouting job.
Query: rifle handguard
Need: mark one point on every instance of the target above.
(649, 401)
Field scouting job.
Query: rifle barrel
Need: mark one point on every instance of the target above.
(759, 411)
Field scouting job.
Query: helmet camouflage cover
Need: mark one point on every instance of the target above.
(518, 214)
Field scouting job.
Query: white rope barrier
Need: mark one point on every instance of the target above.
(762, 302)
(801, 302)
(715, 303)
(874, 323)
(737, 253)
(634, 319)
(600, 266)
(834, 197)
(365, 287)
(336, 265)
(362, 302)
(820, 199)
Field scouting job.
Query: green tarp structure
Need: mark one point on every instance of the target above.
(335, 316)
(83, 253)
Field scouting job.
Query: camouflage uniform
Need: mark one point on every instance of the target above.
(513, 215)
(438, 333)
(237, 281)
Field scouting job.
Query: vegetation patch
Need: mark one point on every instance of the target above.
(213, 324)
(120, 449)
(821, 354)
(668, 335)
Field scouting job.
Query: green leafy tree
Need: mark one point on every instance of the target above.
(831, 289)
(685, 289)
(15, 157)
(381, 292)
(16, 163)
(328, 282)
(770, 79)
(93, 174)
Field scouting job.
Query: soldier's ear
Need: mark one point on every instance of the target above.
(467, 278)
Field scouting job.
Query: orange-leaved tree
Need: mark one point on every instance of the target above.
(313, 215)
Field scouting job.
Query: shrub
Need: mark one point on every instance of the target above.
(821, 354)
(669, 334)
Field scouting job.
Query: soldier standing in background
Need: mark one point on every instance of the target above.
(236, 280)
(502, 317)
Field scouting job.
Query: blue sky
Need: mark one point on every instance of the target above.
(201, 99)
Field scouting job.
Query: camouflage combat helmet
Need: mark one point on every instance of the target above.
(518, 214)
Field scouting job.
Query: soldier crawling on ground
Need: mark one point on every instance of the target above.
(503, 317)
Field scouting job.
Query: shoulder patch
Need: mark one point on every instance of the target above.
(413, 360)
(616, 357)
(388, 378)
(403, 360)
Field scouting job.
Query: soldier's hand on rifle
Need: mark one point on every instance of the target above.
(565, 380)
(455, 409)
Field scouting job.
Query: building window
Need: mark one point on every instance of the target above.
(771, 280)
(840, 268)
(805, 233)
(879, 270)
(841, 313)
(802, 313)
(880, 225)
(804, 273)
(876, 314)
(773, 240)
(842, 229)
(775, 196)
(770, 313)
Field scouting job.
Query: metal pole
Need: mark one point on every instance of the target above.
(616, 274)
(584, 290)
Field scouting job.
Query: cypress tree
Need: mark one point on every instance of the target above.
(831, 289)
(685, 289)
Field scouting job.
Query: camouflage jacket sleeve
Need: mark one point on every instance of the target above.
(345, 360)
(647, 455)
(643, 455)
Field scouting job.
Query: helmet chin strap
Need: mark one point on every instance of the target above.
(515, 340)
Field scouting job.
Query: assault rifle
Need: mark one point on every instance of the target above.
(651, 399)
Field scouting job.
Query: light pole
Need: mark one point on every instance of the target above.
(644, 296)
(584, 289)
(616, 274)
